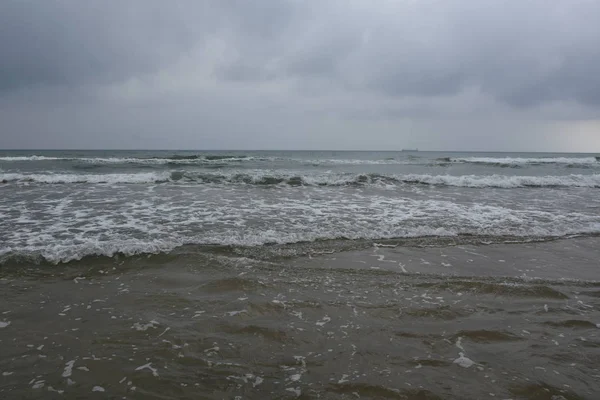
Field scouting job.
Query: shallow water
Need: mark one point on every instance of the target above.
(415, 321)
(60, 206)
(342, 275)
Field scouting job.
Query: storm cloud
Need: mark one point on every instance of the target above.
(454, 74)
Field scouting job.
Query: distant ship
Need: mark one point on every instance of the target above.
(410, 149)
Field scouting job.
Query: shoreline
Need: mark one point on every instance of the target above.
(269, 251)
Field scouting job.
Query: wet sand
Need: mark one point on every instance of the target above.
(505, 321)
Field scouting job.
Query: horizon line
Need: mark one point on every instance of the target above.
(305, 150)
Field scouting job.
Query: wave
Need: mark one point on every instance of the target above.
(207, 160)
(33, 158)
(506, 182)
(270, 178)
(149, 177)
(66, 251)
(520, 161)
(225, 159)
(213, 159)
(341, 161)
(175, 159)
(105, 221)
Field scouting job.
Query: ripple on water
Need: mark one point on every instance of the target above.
(572, 323)
(266, 309)
(487, 336)
(267, 333)
(497, 288)
(543, 391)
(231, 285)
(441, 312)
(379, 391)
(427, 362)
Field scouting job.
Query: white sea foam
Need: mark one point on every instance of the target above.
(528, 160)
(206, 159)
(211, 159)
(504, 181)
(148, 161)
(57, 178)
(267, 177)
(38, 384)
(144, 327)
(70, 249)
(65, 225)
(342, 161)
(31, 158)
(149, 367)
(68, 369)
(297, 391)
(234, 313)
(463, 361)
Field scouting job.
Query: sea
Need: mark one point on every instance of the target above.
(299, 274)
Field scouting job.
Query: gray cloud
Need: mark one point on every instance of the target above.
(71, 42)
(523, 53)
(278, 62)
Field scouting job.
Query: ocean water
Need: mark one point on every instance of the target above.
(299, 275)
(59, 206)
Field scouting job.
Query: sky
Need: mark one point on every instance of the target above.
(494, 75)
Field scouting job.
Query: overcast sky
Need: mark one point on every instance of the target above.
(301, 74)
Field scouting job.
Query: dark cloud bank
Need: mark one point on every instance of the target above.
(455, 74)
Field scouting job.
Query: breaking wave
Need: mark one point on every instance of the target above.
(224, 159)
(269, 178)
(175, 159)
(57, 178)
(211, 159)
(518, 161)
(33, 158)
(71, 251)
